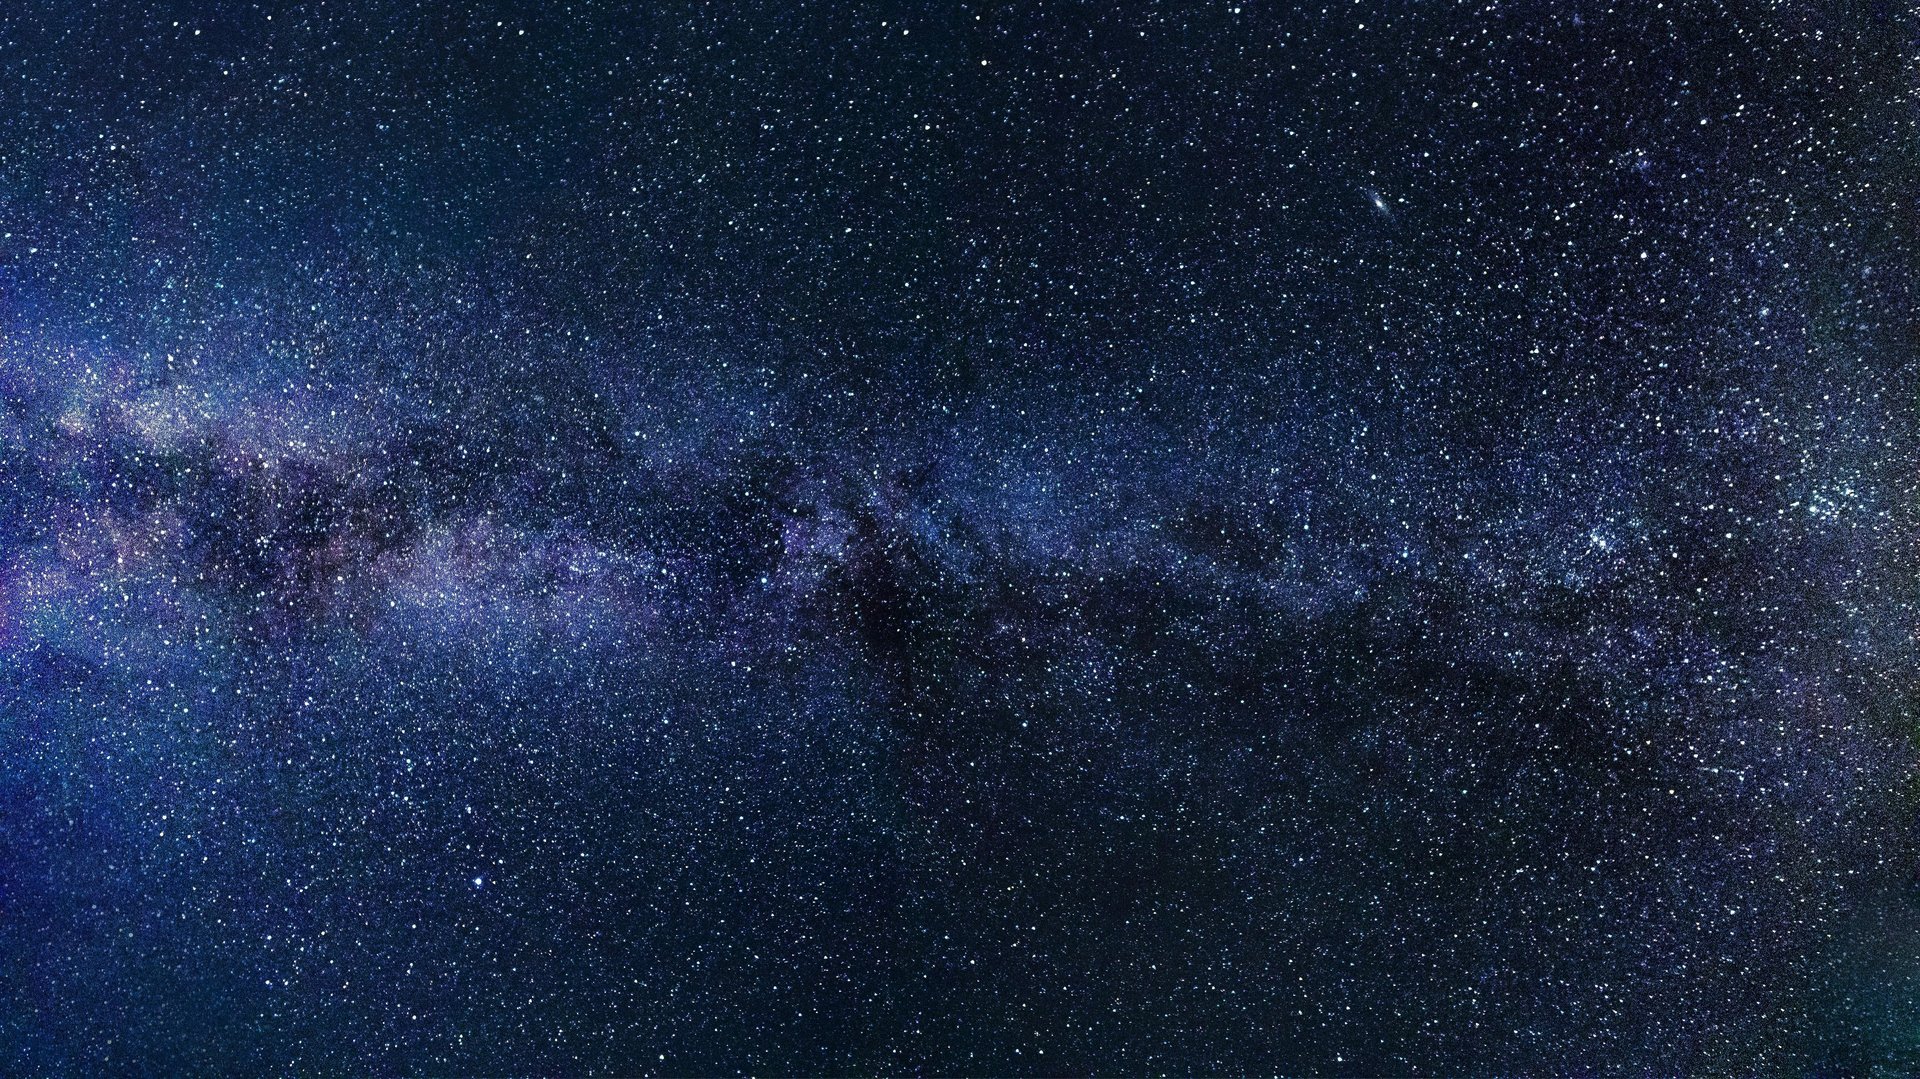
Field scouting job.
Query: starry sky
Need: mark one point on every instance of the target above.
(840, 538)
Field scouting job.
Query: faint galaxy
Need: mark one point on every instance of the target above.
(704, 539)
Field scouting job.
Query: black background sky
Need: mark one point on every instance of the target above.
(689, 538)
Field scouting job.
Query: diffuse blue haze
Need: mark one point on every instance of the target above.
(843, 538)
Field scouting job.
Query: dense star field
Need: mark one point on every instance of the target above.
(1375, 538)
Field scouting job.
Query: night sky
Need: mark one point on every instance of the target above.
(1350, 539)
